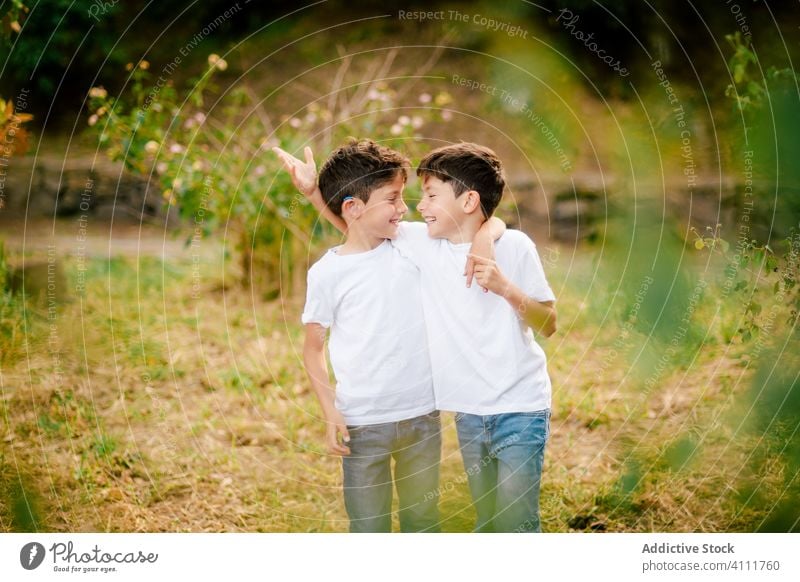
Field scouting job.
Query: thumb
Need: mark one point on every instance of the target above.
(345, 433)
(309, 155)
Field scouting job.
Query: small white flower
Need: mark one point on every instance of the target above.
(93, 119)
(260, 170)
(425, 98)
(199, 117)
(197, 165)
(447, 115)
(417, 122)
(404, 120)
(151, 147)
(295, 122)
(176, 148)
(161, 167)
(373, 95)
(396, 129)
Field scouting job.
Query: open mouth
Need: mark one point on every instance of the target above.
(429, 219)
(395, 221)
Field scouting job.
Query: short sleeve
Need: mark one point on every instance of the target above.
(532, 278)
(413, 242)
(319, 306)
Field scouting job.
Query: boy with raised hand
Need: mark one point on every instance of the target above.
(368, 294)
(487, 365)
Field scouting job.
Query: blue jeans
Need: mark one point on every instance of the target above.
(415, 444)
(503, 456)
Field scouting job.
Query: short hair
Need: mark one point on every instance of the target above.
(357, 169)
(468, 166)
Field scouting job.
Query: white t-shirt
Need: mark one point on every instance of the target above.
(485, 359)
(372, 303)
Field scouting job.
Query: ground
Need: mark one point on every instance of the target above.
(167, 398)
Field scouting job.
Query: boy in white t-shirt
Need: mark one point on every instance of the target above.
(486, 363)
(368, 294)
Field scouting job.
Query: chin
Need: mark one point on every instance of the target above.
(433, 230)
(390, 232)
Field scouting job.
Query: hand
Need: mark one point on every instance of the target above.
(304, 174)
(336, 426)
(482, 246)
(489, 276)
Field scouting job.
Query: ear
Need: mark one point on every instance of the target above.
(352, 208)
(471, 201)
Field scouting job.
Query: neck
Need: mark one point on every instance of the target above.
(359, 242)
(466, 231)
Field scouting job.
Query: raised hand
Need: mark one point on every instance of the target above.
(304, 174)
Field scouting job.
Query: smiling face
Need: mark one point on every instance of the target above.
(380, 215)
(442, 211)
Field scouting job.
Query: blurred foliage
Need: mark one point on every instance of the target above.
(215, 165)
(13, 137)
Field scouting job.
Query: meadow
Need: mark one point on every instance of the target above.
(167, 398)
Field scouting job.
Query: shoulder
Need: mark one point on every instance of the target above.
(517, 240)
(322, 267)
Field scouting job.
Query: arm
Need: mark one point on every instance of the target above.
(317, 370)
(483, 245)
(304, 178)
(539, 315)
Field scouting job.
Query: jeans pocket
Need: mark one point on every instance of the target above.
(458, 416)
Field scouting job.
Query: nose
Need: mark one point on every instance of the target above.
(403, 208)
(421, 205)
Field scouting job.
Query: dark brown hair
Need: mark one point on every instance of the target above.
(467, 166)
(357, 169)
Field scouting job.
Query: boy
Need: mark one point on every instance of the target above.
(487, 366)
(369, 295)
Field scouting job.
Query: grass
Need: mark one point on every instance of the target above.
(140, 408)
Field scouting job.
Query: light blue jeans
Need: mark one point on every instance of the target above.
(415, 445)
(503, 456)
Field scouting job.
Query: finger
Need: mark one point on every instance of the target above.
(338, 449)
(480, 260)
(309, 155)
(345, 433)
(284, 156)
(334, 446)
(286, 159)
(470, 272)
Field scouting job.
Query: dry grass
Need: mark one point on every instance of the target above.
(165, 413)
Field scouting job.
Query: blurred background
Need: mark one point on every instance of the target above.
(153, 253)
